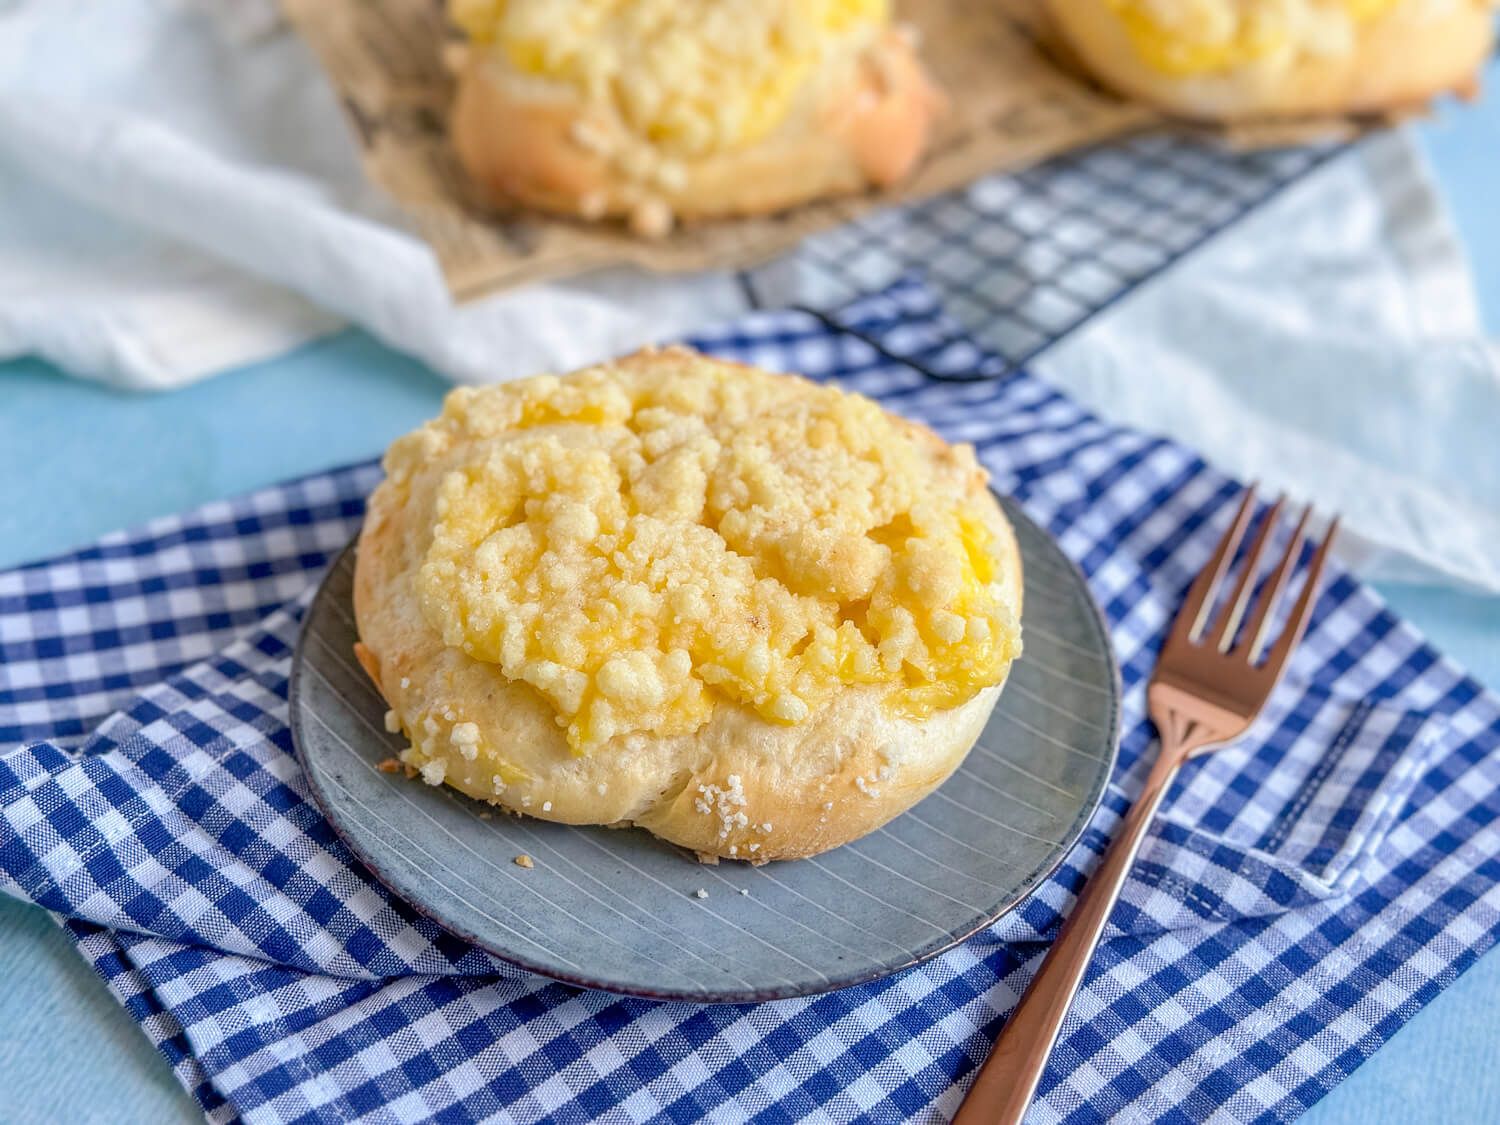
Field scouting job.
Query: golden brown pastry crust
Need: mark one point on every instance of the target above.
(520, 144)
(803, 788)
(1399, 61)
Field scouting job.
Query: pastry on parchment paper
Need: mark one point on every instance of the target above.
(755, 615)
(658, 110)
(1231, 60)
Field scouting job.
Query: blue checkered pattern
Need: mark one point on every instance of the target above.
(1302, 896)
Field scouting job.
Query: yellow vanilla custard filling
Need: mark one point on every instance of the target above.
(1192, 37)
(639, 548)
(691, 76)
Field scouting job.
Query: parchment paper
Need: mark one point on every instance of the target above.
(1015, 100)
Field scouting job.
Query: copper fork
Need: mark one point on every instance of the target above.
(1207, 689)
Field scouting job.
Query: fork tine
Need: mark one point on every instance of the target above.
(1297, 624)
(1255, 632)
(1200, 597)
(1240, 599)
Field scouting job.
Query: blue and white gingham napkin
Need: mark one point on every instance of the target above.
(1302, 896)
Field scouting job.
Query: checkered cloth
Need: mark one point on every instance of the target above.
(1303, 895)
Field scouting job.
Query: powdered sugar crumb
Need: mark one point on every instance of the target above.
(728, 802)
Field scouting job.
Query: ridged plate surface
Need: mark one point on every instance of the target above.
(617, 909)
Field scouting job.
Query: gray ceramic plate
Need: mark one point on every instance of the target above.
(618, 910)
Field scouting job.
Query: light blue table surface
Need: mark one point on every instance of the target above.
(77, 460)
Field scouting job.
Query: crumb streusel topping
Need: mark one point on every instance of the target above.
(639, 549)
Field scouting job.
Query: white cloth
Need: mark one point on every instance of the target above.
(179, 195)
(1329, 346)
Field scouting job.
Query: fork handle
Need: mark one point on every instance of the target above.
(1003, 1088)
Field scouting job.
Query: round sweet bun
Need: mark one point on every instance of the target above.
(865, 122)
(1401, 59)
(737, 785)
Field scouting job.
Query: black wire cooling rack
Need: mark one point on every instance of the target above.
(1023, 259)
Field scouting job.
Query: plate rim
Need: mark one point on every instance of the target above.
(922, 954)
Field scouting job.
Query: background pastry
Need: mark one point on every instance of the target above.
(1230, 59)
(662, 109)
(756, 615)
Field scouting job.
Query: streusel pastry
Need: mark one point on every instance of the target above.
(755, 615)
(654, 110)
(1235, 59)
